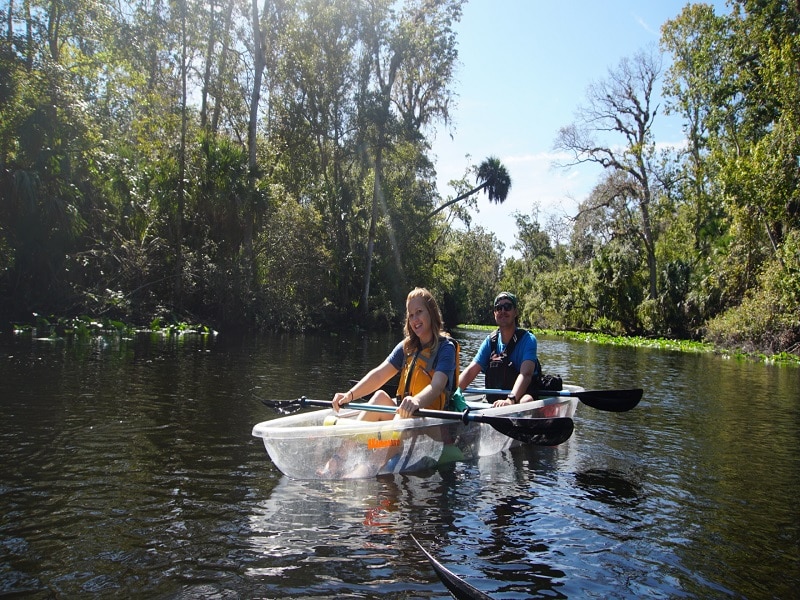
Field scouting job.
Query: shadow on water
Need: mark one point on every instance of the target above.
(608, 487)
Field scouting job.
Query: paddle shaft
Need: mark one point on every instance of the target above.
(464, 417)
(609, 400)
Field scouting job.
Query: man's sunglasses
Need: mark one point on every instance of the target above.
(506, 307)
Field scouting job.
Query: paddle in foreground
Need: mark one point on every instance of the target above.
(460, 589)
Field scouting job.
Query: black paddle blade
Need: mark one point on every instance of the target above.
(539, 432)
(459, 588)
(286, 407)
(611, 400)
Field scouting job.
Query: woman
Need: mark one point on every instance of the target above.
(427, 357)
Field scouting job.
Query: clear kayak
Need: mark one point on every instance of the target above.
(321, 445)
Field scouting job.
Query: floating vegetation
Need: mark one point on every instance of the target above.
(87, 327)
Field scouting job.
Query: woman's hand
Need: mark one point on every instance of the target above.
(340, 399)
(408, 407)
(502, 402)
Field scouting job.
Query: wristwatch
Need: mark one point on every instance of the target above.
(513, 398)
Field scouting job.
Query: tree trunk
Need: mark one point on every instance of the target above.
(53, 29)
(181, 169)
(259, 64)
(437, 210)
(258, 73)
(212, 29)
(223, 67)
(10, 30)
(29, 46)
(373, 226)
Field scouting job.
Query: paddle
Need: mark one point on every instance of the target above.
(460, 589)
(610, 400)
(540, 432)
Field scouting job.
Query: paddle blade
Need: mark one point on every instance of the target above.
(539, 432)
(286, 407)
(611, 400)
(459, 588)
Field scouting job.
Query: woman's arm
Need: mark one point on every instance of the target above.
(366, 385)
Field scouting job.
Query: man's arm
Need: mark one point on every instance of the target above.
(523, 379)
(468, 375)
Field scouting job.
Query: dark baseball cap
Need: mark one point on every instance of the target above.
(507, 295)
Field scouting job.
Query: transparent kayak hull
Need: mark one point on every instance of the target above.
(303, 446)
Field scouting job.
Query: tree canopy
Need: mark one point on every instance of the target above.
(267, 165)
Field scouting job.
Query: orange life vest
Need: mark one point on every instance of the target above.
(418, 371)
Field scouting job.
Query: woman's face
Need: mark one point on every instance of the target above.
(419, 319)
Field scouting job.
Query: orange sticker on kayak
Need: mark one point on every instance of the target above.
(375, 443)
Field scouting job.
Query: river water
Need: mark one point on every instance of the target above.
(129, 470)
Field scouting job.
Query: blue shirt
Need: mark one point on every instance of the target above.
(524, 350)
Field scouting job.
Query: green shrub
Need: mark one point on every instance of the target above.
(768, 319)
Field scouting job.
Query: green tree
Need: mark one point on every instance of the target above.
(623, 106)
(696, 40)
(411, 62)
(533, 243)
(312, 149)
(735, 78)
(493, 179)
(50, 157)
(467, 274)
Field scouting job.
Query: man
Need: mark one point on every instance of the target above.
(507, 356)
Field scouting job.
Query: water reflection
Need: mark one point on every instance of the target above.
(337, 535)
(498, 538)
(326, 532)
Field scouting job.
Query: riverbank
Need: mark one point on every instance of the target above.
(85, 326)
(784, 358)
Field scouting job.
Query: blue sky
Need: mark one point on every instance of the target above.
(525, 66)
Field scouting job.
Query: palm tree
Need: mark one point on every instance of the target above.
(493, 179)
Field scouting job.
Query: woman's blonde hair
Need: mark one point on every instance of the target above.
(412, 342)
